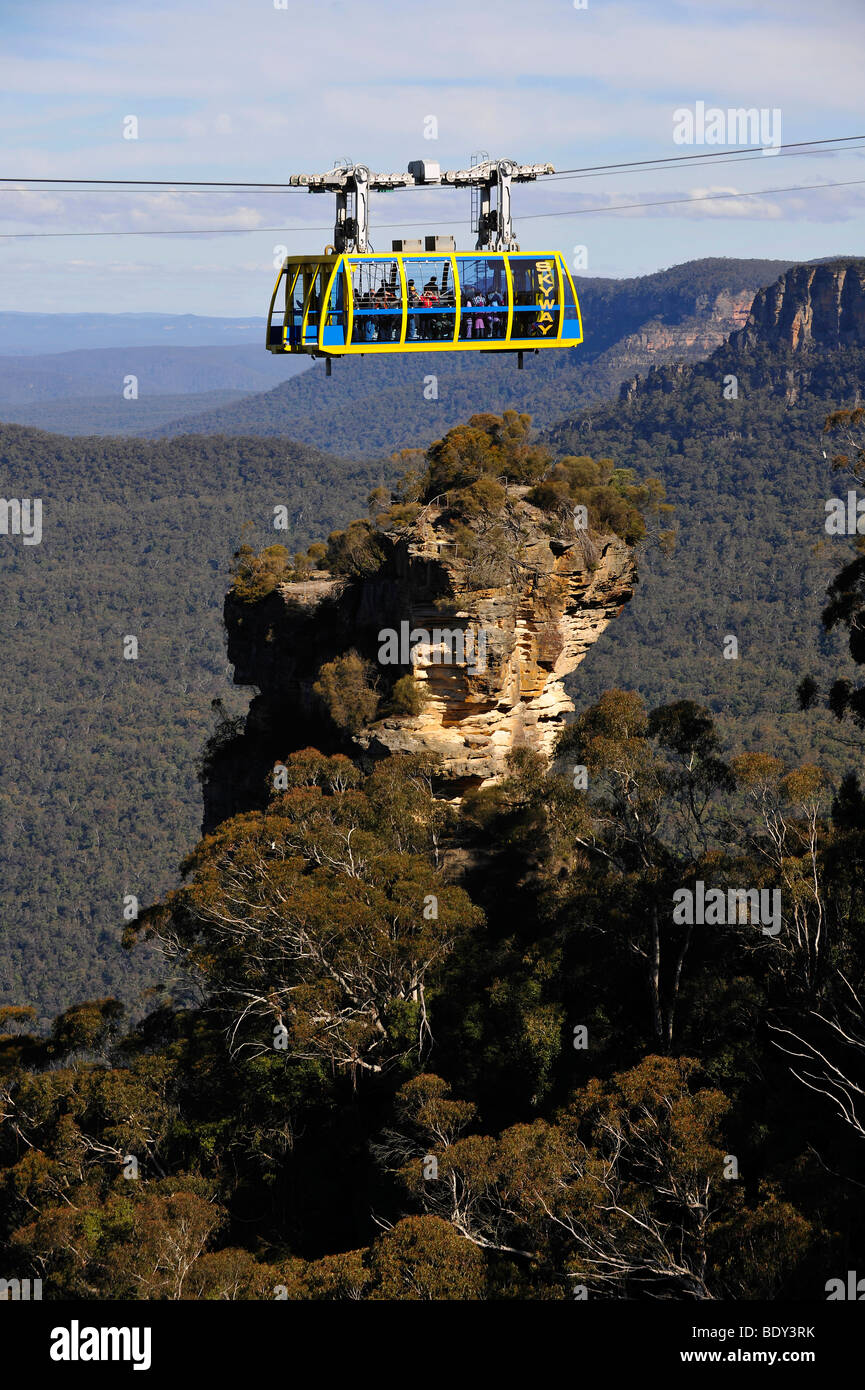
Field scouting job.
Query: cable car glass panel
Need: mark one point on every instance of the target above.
(484, 297)
(571, 325)
(336, 314)
(432, 304)
(536, 307)
(377, 298)
(293, 304)
(314, 282)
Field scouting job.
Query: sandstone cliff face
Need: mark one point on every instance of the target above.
(525, 638)
(688, 340)
(498, 687)
(808, 311)
(810, 306)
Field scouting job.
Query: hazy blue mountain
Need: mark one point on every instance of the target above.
(40, 333)
(162, 370)
(112, 415)
(82, 392)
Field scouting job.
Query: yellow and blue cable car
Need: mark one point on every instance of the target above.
(343, 304)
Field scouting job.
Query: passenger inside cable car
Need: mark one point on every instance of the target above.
(536, 307)
(484, 291)
(377, 299)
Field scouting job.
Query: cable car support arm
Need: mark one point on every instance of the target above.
(353, 183)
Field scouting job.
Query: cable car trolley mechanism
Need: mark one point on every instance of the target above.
(424, 296)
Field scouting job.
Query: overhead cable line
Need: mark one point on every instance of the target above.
(560, 173)
(392, 226)
(716, 154)
(729, 157)
(700, 198)
(196, 190)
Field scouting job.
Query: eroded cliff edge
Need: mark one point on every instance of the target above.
(521, 638)
(789, 339)
(449, 624)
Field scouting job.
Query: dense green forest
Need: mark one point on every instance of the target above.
(100, 797)
(749, 478)
(139, 537)
(475, 1051)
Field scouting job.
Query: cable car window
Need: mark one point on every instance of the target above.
(334, 322)
(484, 297)
(536, 306)
(377, 298)
(313, 285)
(571, 326)
(432, 304)
(293, 303)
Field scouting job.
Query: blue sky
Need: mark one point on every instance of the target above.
(246, 91)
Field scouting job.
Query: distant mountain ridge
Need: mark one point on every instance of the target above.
(791, 337)
(85, 391)
(112, 416)
(737, 441)
(24, 333)
(372, 406)
(162, 370)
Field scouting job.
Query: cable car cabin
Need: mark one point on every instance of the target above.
(344, 304)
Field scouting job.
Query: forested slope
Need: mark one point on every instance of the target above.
(99, 788)
(100, 796)
(749, 478)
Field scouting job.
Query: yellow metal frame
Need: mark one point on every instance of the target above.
(283, 271)
(510, 279)
(563, 270)
(325, 304)
(316, 269)
(294, 266)
(284, 274)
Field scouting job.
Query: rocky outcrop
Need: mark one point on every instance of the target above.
(809, 311)
(492, 639)
(521, 639)
(811, 306)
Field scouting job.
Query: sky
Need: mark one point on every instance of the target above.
(256, 90)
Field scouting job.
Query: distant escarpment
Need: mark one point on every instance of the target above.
(445, 627)
(787, 341)
(689, 338)
(811, 306)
